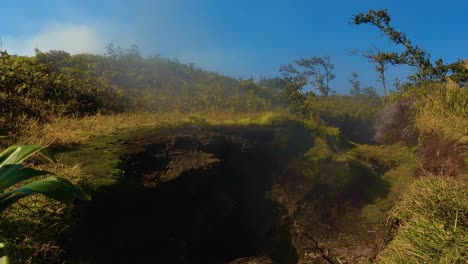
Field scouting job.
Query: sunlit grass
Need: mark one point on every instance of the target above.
(69, 130)
(433, 215)
(443, 109)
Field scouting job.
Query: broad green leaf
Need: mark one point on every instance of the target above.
(56, 188)
(11, 174)
(17, 154)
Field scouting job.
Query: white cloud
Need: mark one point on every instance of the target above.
(73, 38)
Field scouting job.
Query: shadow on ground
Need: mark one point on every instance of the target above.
(190, 196)
(216, 194)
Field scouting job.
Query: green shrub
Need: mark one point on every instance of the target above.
(30, 89)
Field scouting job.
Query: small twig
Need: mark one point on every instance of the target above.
(322, 251)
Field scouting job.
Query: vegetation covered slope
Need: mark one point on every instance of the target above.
(431, 213)
(59, 84)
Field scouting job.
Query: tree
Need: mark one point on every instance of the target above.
(369, 92)
(315, 71)
(381, 60)
(355, 84)
(295, 82)
(322, 69)
(319, 69)
(54, 59)
(113, 51)
(460, 72)
(276, 83)
(412, 55)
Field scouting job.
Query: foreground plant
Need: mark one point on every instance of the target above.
(13, 172)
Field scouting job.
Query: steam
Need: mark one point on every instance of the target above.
(73, 38)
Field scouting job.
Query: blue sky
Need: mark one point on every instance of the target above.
(240, 38)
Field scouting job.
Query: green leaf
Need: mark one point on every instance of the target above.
(59, 189)
(11, 174)
(56, 188)
(17, 154)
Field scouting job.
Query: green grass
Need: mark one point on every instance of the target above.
(398, 179)
(396, 166)
(384, 155)
(433, 217)
(440, 108)
(432, 212)
(99, 160)
(320, 151)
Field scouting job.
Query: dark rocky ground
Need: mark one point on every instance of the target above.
(217, 195)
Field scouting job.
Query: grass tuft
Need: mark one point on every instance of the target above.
(433, 217)
(442, 109)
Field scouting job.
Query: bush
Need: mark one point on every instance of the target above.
(33, 90)
(56, 83)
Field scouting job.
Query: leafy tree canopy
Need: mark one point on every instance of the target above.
(412, 54)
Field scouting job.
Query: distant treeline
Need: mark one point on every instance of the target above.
(57, 83)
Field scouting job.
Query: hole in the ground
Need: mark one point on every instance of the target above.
(217, 194)
(190, 199)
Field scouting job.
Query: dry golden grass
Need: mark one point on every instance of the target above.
(68, 130)
(443, 109)
(448, 125)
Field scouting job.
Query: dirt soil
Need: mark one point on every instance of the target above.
(217, 195)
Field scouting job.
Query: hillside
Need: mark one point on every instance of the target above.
(186, 165)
